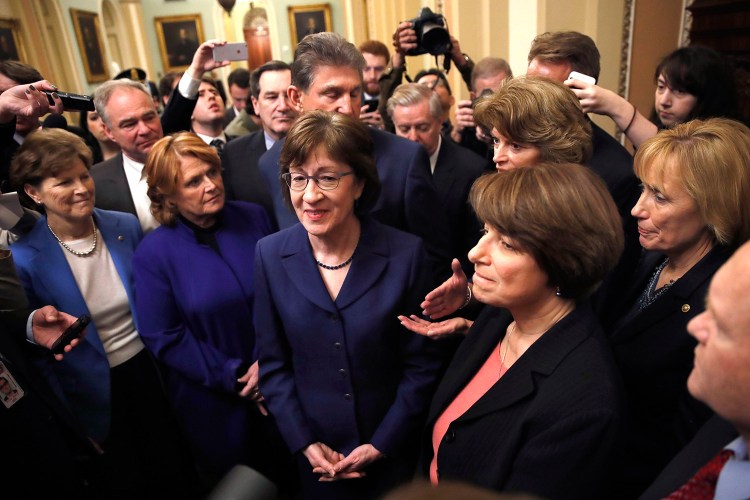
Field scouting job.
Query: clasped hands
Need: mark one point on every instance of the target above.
(334, 466)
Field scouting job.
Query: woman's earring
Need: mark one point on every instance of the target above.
(558, 292)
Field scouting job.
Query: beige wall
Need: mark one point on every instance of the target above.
(656, 33)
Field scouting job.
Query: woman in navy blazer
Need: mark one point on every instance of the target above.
(348, 385)
(194, 297)
(531, 401)
(109, 381)
(693, 212)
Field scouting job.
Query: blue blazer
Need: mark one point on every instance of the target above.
(408, 198)
(81, 379)
(343, 372)
(196, 316)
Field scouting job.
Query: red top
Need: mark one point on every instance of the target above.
(483, 380)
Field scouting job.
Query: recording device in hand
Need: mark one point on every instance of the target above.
(71, 102)
(231, 52)
(575, 75)
(372, 105)
(74, 331)
(432, 34)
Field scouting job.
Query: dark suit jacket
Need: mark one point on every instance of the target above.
(655, 356)
(229, 115)
(715, 434)
(44, 447)
(548, 427)
(614, 164)
(45, 451)
(112, 190)
(345, 372)
(456, 170)
(408, 199)
(8, 147)
(242, 179)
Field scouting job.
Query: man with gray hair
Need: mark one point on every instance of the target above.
(416, 113)
(132, 121)
(327, 75)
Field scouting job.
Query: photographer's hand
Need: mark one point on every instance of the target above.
(404, 39)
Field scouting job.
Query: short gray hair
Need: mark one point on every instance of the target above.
(323, 49)
(410, 94)
(104, 92)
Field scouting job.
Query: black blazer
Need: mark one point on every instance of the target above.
(715, 434)
(242, 179)
(456, 169)
(655, 356)
(548, 427)
(44, 449)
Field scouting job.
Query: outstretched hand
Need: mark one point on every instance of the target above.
(448, 297)
(28, 101)
(436, 329)
(48, 324)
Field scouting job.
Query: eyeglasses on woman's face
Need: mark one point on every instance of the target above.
(326, 181)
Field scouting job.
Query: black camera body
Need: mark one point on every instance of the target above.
(432, 34)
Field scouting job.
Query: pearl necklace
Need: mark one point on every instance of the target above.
(76, 252)
(333, 268)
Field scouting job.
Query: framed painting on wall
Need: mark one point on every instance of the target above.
(179, 38)
(307, 19)
(10, 42)
(90, 44)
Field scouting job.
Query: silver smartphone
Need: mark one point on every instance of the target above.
(231, 52)
(575, 75)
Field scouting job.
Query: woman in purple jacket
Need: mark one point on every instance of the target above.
(194, 296)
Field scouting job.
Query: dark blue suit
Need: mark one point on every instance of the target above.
(345, 372)
(408, 199)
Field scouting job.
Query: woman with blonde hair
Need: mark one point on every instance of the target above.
(693, 213)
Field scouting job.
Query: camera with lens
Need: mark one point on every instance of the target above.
(432, 34)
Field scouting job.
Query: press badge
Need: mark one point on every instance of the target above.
(10, 390)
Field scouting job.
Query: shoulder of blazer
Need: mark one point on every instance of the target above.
(108, 168)
(254, 141)
(464, 162)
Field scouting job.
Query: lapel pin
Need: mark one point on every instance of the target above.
(685, 308)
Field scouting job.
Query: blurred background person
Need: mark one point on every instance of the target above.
(102, 147)
(691, 82)
(348, 386)
(693, 213)
(167, 84)
(194, 298)
(532, 400)
(487, 76)
(377, 57)
(109, 381)
(239, 90)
